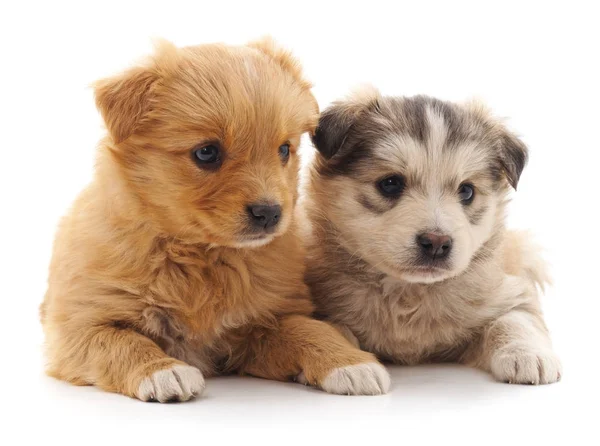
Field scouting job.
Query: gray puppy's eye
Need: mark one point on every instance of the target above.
(466, 193)
(391, 186)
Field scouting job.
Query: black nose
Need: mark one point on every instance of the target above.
(264, 216)
(435, 246)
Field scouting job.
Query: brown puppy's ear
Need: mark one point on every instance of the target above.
(123, 100)
(284, 58)
(289, 64)
(513, 157)
(337, 120)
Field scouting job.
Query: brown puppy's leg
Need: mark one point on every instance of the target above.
(317, 354)
(347, 333)
(516, 348)
(123, 361)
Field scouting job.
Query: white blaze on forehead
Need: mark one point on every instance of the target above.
(437, 132)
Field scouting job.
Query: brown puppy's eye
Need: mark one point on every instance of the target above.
(466, 193)
(284, 152)
(207, 156)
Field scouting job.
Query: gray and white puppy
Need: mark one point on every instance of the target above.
(409, 255)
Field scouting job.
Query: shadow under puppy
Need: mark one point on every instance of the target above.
(409, 254)
(181, 259)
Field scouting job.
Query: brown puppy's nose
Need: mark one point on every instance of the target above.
(434, 246)
(265, 216)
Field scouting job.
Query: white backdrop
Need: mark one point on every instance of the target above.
(536, 63)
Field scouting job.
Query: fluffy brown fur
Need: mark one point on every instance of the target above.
(158, 278)
(392, 170)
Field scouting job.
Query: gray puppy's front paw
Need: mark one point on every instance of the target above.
(526, 365)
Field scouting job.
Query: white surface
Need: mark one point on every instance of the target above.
(537, 63)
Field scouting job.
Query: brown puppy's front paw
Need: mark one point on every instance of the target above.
(360, 379)
(176, 383)
(522, 365)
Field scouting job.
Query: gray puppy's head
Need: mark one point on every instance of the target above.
(415, 186)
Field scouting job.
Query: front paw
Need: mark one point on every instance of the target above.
(361, 379)
(177, 383)
(526, 365)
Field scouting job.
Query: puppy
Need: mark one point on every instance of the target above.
(181, 260)
(410, 257)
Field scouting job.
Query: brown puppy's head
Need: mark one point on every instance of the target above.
(415, 186)
(206, 138)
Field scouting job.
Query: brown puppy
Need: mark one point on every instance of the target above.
(181, 259)
(410, 256)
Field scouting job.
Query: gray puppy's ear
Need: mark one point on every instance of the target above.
(509, 151)
(513, 157)
(337, 120)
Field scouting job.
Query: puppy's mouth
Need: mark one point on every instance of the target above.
(254, 240)
(254, 236)
(416, 273)
(425, 274)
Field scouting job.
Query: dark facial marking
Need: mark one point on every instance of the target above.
(475, 215)
(376, 208)
(415, 118)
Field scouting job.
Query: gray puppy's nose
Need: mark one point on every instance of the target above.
(434, 246)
